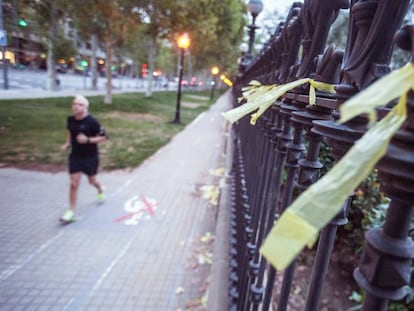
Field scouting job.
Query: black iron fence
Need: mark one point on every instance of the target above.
(279, 157)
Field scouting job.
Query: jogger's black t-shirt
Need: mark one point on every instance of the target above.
(88, 126)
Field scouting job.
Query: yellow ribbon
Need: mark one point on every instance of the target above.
(273, 96)
(379, 93)
(255, 97)
(261, 97)
(321, 86)
(317, 206)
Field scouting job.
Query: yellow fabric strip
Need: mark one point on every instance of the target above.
(255, 98)
(292, 240)
(321, 86)
(262, 97)
(276, 93)
(379, 93)
(324, 199)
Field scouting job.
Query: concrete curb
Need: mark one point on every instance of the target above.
(218, 292)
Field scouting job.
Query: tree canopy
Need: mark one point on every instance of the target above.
(142, 30)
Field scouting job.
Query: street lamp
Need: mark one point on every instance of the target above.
(214, 71)
(244, 59)
(254, 7)
(183, 43)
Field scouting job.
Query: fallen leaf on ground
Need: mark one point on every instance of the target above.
(217, 172)
(211, 193)
(208, 237)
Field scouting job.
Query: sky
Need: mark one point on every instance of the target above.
(271, 5)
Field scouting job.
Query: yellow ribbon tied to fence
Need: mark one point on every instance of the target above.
(301, 222)
(261, 97)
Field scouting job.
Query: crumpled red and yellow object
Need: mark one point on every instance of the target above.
(301, 222)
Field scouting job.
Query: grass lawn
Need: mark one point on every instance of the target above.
(32, 131)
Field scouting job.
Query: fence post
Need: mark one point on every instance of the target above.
(270, 161)
(372, 27)
(384, 269)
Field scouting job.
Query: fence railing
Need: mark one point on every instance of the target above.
(279, 157)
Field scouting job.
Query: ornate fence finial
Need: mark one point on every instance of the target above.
(317, 16)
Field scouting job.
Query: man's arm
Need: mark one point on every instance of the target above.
(66, 145)
(83, 139)
(101, 136)
(96, 139)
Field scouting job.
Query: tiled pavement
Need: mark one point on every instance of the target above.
(111, 258)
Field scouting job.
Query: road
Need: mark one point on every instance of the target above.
(37, 79)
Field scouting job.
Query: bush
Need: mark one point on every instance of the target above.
(368, 210)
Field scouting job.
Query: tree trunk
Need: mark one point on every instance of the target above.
(190, 70)
(151, 63)
(94, 64)
(50, 61)
(108, 64)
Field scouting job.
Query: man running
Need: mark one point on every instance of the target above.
(83, 136)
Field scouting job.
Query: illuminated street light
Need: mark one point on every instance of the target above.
(214, 71)
(226, 80)
(183, 43)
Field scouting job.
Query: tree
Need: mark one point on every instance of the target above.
(108, 22)
(89, 27)
(216, 29)
(44, 16)
(158, 24)
(63, 48)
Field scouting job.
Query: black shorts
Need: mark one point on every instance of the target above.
(85, 164)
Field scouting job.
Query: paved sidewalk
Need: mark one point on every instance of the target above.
(140, 250)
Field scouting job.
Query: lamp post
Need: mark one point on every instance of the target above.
(244, 60)
(183, 43)
(214, 71)
(254, 7)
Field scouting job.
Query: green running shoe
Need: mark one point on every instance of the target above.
(101, 198)
(68, 216)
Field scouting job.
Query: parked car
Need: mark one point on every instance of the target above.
(61, 68)
(102, 73)
(82, 70)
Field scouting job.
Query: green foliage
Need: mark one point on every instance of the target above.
(326, 158)
(109, 20)
(63, 48)
(339, 30)
(217, 30)
(368, 210)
